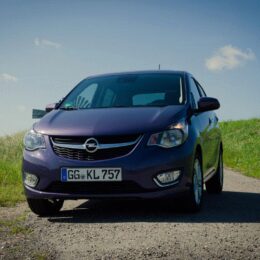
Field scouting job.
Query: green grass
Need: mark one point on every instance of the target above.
(241, 140)
(11, 190)
(241, 152)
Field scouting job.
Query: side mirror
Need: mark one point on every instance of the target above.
(38, 113)
(50, 107)
(207, 104)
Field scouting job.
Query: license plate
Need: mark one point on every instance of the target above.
(91, 174)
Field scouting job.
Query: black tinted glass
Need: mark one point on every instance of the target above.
(127, 91)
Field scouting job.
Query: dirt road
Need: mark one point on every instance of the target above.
(228, 227)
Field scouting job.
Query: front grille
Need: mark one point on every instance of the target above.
(76, 154)
(101, 139)
(95, 188)
(101, 154)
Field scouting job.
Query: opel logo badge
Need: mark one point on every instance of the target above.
(91, 145)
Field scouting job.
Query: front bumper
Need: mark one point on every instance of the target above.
(139, 168)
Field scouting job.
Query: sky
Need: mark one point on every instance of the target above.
(47, 47)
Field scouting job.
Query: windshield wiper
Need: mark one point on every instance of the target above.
(69, 108)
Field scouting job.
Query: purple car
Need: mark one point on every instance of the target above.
(149, 134)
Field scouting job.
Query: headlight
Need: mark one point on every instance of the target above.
(175, 135)
(33, 141)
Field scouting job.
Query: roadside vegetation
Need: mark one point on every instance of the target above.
(11, 190)
(241, 141)
(241, 152)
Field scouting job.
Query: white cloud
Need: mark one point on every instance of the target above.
(7, 77)
(46, 43)
(228, 57)
(37, 42)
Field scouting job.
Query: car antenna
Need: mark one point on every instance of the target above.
(159, 67)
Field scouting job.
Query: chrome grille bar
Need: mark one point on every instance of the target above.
(100, 146)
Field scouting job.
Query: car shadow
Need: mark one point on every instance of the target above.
(228, 207)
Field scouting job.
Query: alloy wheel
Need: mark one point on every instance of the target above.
(197, 181)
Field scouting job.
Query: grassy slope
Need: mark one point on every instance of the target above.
(241, 152)
(241, 141)
(10, 169)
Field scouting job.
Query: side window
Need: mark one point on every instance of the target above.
(201, 90)
(194, 92)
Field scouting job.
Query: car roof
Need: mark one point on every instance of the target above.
(139, 72)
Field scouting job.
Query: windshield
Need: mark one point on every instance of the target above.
(127, 90)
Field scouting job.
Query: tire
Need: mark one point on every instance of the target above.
(215, 184)
(195, 195)
(45, 207)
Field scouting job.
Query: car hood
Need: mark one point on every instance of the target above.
(108, 121)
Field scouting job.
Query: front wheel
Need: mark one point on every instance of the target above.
(45, 207)
(195, 196)
(215, 184)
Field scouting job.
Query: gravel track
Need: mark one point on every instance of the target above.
(228, 227)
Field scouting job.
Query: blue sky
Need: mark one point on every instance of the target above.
(46, 47)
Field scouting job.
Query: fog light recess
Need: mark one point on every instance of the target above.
(30, 179)
(167, 178)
